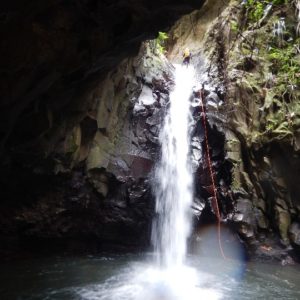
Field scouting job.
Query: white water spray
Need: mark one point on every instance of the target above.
(173, 278)
(173, 186)
(278, 30)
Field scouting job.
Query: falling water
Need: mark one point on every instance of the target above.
(297, 3)
(173, 176)
(278, 30)
(267, 10)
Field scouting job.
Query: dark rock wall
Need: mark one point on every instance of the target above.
(77, 140)
(97, 188)
(260, 121)
(251, 76)
(80, 120)
(55, 54)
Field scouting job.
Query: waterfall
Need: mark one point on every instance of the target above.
(173, 177)
(278, 30)
(297, 3)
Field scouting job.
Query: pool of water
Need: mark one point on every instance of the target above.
(133, 277)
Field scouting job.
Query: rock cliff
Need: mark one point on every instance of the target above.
(78, 127)
(250, 54)
(84, 92)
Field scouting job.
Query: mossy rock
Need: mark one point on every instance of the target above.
(100, 153)
(283, 220)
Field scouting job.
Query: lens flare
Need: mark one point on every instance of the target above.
(206, 249)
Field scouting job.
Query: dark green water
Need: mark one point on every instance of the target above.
(130, 277)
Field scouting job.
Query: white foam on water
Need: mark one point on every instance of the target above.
(151, 283)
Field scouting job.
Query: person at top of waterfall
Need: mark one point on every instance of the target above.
(186, 56)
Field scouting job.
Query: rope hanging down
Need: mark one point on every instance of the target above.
(215, 198)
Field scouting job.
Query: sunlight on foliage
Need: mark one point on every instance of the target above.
(160, 42)
(256, 8)
(286, 66)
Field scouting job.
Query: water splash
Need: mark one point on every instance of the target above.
(278, 30)
(173, 186)
(142, 282)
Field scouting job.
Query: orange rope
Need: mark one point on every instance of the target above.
(215, 198)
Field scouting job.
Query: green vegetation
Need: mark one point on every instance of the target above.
(274, 83)
(160, 42)
(256, 8)
(286, 67)
(234, 26)
(282, 106)
(278, 2)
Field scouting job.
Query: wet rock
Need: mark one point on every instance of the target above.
(246, 231)
(66, 51)
(146, 98)
(262, 221)
(213, 101)
(288, 261)
(137, 192)
(141, 167)
(280, 182)
(198, 206)
(196, 145)
(116, 144)
(139, 110)
(245, 217)
(283, 221)
(269, 250)
(140, 127)
(281, 203)
(156, 118)
(197, 154)
(196, 142)
(194, 166)
(100, 152)
(260, 203)
(213, 96)
(99, 181)
(294, 233)
(161, 85)
(216, 152)
(151, 138)
(164, 100)
(155, 130)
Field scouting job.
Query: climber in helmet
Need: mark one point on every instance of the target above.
(186, 57)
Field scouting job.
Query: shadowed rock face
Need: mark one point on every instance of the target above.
(80, 111)
(73, 166)
(94, 189)
(264, 157)
(54, 54)
(76, 147)
(259, 118)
